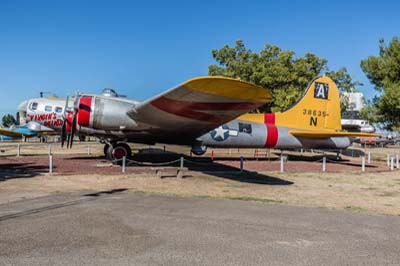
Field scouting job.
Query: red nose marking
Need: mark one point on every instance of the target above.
(84, 111)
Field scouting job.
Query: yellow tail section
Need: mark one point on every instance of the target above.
(319, 108)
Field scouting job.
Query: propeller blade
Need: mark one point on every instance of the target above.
(73, 129)
(68, 139)
(64, 124)
(63, 132)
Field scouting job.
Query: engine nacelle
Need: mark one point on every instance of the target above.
(199, 149)
(105, 113)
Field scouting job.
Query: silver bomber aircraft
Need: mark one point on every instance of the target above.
(208, 112)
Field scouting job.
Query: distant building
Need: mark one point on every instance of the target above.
(351, 119)
(355, 99)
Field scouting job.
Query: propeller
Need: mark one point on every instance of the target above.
(64, 124)
(70, 140)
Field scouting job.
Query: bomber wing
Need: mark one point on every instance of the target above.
(197, 106)
(322, 134)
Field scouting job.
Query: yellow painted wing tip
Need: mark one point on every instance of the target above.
(229, 87)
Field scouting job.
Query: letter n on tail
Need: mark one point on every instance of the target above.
(313, 121)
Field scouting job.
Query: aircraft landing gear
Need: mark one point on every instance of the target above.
(117, 151)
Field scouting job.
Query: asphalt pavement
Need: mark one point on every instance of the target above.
(125, 228)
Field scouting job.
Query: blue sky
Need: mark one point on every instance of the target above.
(143, 48)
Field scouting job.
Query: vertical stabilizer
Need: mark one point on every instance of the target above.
(318, 108)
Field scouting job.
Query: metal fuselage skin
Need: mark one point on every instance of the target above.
(263, 135)
(118, 119)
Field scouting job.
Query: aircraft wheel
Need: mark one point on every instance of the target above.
(118, 151)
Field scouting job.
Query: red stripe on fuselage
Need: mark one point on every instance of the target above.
(190, 109)
(85, 104)
(272, 130)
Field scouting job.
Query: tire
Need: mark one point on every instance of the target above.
(118, 151)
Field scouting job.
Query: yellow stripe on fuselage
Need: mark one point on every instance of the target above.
(255, 118)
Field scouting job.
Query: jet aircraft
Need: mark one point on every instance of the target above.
(16, 132)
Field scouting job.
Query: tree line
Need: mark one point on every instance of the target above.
(286, 76)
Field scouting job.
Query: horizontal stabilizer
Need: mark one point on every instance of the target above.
(322, 134)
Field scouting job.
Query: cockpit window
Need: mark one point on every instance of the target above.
(109, 92)
(58, 109)
(33, 106)
(245, 128)
(48, 108)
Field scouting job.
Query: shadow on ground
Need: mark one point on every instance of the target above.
(21, 170)
(155, 157)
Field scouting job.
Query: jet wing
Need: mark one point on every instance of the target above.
(13, 134)
(320, 134)
(197, 106)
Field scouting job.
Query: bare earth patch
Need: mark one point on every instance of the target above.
(342, 187)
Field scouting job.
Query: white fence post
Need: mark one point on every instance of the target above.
(391, 163)
(388, 159)
(324, 164)
(397, 161)
(88, 149)
(281, 163)
(50, 150)
(369, 157)
(363, 164)
(50, 164)
(123, 164)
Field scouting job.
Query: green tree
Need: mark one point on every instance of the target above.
(384, 72)
(284, 75)
(8, 120)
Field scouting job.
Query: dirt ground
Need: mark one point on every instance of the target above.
(303, 183)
